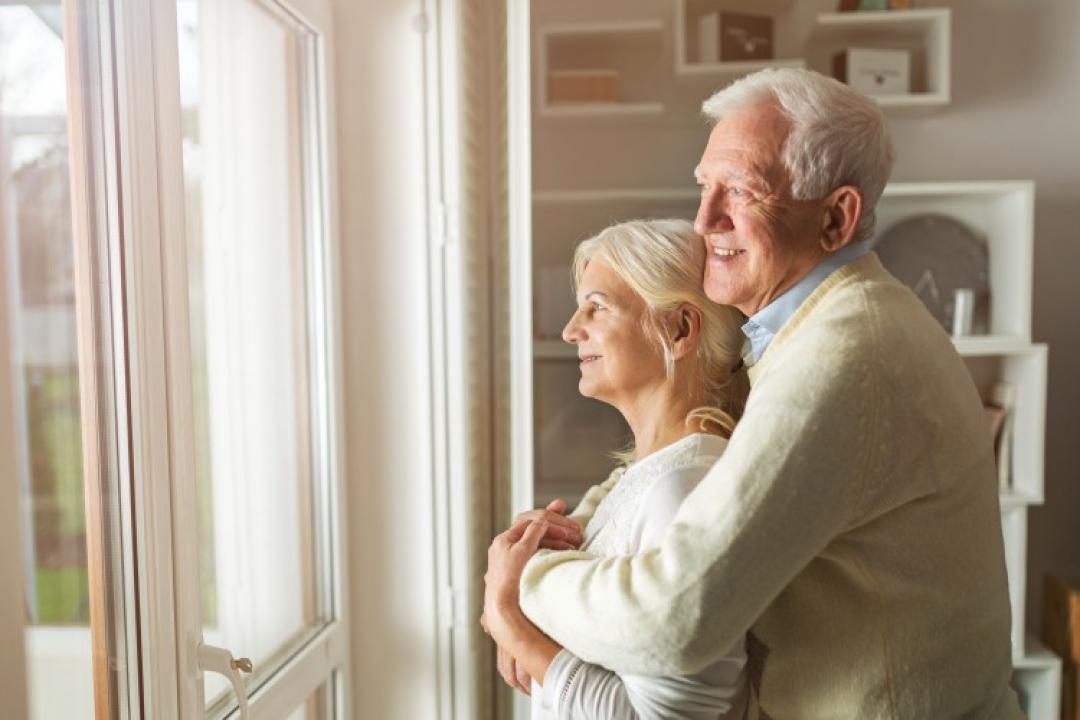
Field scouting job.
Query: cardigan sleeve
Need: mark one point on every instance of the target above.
(784, 487)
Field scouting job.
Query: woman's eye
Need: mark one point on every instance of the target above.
(737, 191)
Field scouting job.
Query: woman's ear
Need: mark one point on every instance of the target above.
(686, 331)
(843, 211)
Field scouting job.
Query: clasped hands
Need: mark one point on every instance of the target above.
(509, 552)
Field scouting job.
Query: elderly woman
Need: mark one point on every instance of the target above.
(654, 347)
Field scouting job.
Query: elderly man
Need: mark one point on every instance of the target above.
(852, 525)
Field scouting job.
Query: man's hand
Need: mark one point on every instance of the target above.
(507, 556)
(562, 534)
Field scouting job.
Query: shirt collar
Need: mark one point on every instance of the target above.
(763, 325)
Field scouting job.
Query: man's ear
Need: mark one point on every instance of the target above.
(842, 213)
(686, 330)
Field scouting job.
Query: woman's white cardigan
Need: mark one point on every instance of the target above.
(633, 509)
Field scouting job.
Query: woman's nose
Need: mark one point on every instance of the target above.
(572, 332)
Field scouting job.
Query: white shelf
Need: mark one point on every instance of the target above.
(687, 68)
(734, 69)
(847, 27)
(1036, 656)
(630, 48)
(1012, 499)
(924, 33)
(1037, 677)
(913, 101)
(987, 345)
(1000, 212)
(580, 110)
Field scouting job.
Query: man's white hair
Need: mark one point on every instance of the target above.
(838, 135)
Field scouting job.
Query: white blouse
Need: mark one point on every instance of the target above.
(631, 519)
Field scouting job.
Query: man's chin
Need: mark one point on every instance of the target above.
(720, 293)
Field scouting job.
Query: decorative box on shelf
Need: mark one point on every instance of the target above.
(924, 35)
(874, 71)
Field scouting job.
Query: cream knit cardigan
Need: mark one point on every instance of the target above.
(852, 526)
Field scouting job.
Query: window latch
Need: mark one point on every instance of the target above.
(221, 661)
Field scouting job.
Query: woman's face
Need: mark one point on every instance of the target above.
(617, 360)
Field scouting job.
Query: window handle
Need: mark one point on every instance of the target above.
(221, 661)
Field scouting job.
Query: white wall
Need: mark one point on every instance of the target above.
(382, 224)
(1015, 114)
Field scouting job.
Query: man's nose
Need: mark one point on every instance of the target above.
(711, 216)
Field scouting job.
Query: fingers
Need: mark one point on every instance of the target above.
(550, 544)
(557, 506)
(530, 540)
(555, 517)
(523, 680)
(502, 661)
(511, 674)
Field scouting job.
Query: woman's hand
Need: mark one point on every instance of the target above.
(562, 533)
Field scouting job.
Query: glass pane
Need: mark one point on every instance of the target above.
(36, 249)
(241, 68)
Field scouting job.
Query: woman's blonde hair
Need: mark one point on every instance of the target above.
(663, 261)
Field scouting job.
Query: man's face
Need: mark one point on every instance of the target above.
(760, 240)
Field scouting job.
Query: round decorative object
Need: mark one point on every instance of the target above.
(936, 256)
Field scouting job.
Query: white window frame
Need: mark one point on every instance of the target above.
(154, 248)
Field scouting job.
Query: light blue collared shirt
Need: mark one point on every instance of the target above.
(763, 325)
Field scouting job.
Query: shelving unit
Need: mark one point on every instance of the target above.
(1003, 214)
(925, 33)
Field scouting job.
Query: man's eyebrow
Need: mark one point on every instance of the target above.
(749, 177)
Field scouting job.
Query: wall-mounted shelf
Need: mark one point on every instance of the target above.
(688, 63)
(924, 33)
(627, 55)
(732, 70)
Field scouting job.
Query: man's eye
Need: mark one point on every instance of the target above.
(737, 191)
